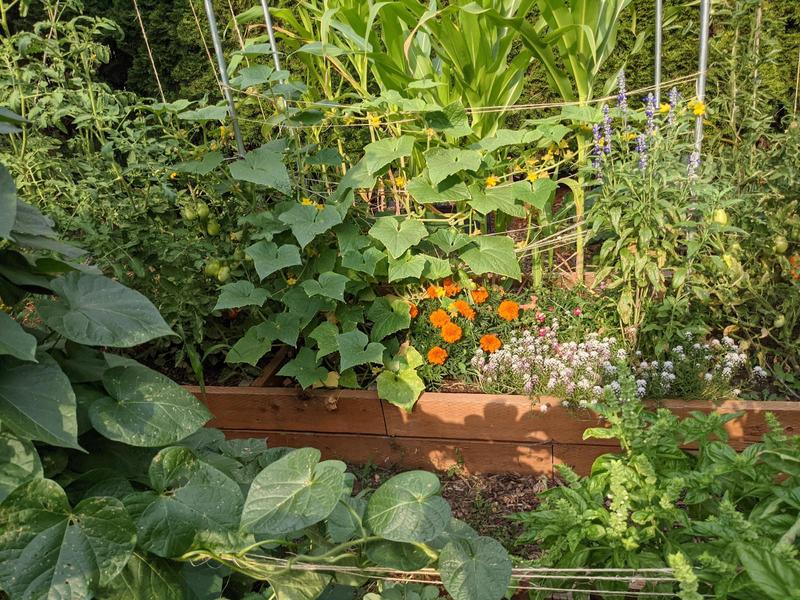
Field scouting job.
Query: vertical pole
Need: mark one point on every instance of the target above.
(223, 73)
(658, 49)
(705, 17)
(271, 34)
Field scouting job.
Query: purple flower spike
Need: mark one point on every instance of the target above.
(641, 148)
(607, 132)
(650, 113)
(622, 96)
(674, 98)
(694, 164)
(597, 150)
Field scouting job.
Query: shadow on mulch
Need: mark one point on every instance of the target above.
(483, 501)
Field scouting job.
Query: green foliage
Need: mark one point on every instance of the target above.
(726, 522)
(94, 160)
(124, 493)
(655, 218)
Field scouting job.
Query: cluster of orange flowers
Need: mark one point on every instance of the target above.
(451, 332)
(448, 289)
(794, 261)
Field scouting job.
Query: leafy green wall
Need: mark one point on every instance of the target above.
(185, 70)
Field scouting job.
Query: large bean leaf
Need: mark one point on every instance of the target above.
(475, 569)
(298, 585)
(408, 508)
(14, 340)
(145, 408)
(98, 311)
(8, 203)
(37, 402)
(293, 493)
(19, 462)
(397, 555)
(194, 499)
(146, 577)
(345, 520)
(49, 550)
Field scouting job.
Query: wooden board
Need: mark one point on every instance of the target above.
(578, 456)
(751, 426)
(479, 432)
(488, 417)
(290, 410)
(467, 456)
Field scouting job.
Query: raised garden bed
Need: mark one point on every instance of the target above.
(473, 432)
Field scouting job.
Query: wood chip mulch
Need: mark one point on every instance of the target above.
(484, 501)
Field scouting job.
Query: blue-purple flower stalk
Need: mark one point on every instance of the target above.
(674, 98)
(694, 164)
(607, 132)
(597, 151)
(641, 148)
(622, 95)
(650, 113)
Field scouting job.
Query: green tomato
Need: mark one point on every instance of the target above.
(780, 244)
(238, 254)
(202, 210)
(212, 267)
(720, 217)
(779, 322)
(189, 213)
(212, 227)
(224, 274)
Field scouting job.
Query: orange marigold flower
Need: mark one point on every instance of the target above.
(464, 309)
(480, 295)
(437, 355)
(451, 288)
(508, 310)
(413, 310)
(451, 333)
(490, 343)
(434, 292)
(439, 318)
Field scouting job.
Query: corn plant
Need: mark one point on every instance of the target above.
(450, 54)
(572, 41)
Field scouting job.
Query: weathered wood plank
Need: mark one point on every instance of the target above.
(517, 419)
(578, 456)
(487, 417)
(288, 409)
(489, 432)
(469, 456)
(751, 426)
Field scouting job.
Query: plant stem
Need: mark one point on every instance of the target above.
(580, 198)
